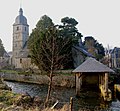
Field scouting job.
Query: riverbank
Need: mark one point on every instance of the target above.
(31, 97)
(89, 100)
(10, 101)
(58, 79)
(25, 100)
(15, 102)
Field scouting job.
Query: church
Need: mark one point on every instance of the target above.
(20, 36)
(20, 52)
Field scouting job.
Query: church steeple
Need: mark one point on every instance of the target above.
(20, 19)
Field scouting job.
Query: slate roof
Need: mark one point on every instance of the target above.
(20, 19)
(83, 51)
(92, 65)
(6, 54)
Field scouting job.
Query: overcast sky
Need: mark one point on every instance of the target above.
(97, 18)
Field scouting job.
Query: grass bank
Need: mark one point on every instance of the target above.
(17, 102)
(60, 78)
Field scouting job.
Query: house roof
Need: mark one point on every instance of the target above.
(92, 65)
(83, 51)
(6, 54)
(116, 49)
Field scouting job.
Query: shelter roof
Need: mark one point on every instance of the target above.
(92, 65)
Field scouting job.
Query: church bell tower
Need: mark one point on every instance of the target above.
(20, 35)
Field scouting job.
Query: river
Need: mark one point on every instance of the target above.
(89, 100)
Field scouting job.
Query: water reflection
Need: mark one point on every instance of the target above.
(89, 100)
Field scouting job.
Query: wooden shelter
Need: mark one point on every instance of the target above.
(93, 72)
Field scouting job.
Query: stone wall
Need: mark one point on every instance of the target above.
(58, 80)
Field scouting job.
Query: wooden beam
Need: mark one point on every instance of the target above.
(102, 79)
(99, 80)
(106, 82)
(78, 83)
(71, 104)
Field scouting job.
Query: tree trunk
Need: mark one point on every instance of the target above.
(78, 83)
(49, 89)
(106, 82)
(51, 71)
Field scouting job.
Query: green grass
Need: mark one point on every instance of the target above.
(64, 72)
(15, 72)
(59, 72)
(7, 97)
(9, 71)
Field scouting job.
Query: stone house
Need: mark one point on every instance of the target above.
(79, 55)
(84, 50)
(115, 58)
(4, 61)
(90, 45)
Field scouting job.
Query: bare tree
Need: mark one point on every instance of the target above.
(50, 52)
(55, 50)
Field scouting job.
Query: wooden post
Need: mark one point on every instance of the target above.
(99, 81)
(115, 62)
(78, 83)
(71, 104)
(101, 78)
(80, 77)
(115, 89)
(106, 82)
(0, 80)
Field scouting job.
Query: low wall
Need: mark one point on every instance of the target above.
(58, 80)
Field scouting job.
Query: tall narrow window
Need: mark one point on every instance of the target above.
(20, 60)
(17, 28)
(25, 28)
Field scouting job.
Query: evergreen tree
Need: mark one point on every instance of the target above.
(36, 38)
(48, 50)
(44, 23)
(68, 30)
